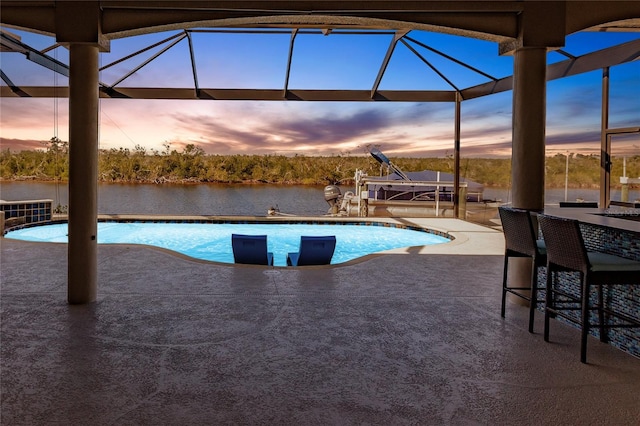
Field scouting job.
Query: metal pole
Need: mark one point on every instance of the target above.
(566, 177)
(456, 159)
(605, 154)
(437, 194)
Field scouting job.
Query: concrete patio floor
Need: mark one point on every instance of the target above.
(409, 337)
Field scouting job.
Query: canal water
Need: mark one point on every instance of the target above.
(233, 199)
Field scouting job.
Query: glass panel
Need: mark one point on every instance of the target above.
(624, 93)
(240, 60)
(625, 168)
(159, 65)
(571, 176)
(341, 60)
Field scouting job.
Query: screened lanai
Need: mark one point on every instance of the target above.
(396, 70)
(528, 36)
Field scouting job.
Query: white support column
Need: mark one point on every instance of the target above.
(83, 173)
(529, 115)
(528, 149)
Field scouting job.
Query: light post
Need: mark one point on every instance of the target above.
(566, 177)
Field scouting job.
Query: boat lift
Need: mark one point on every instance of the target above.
(383, 159)
(363, 182)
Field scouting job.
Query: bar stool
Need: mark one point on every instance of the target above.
(566, 252)
(520, 241)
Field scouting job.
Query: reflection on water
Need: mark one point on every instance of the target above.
(177, 199)
(233, 200)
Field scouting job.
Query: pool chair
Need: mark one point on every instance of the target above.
(566, 252)
(251, 249)
(313, 251)
(520, 241)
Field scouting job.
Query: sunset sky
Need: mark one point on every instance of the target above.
(335, 61)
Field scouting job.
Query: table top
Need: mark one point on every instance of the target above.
(624, 219)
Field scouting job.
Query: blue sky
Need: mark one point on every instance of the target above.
(335, 61)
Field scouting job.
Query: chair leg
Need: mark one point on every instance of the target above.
(604, 337)
(585, 318)
(548, 302)
(504, 284)
(533, 303)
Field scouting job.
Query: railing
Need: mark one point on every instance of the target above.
(416, 186)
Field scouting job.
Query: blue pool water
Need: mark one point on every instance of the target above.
(212, 241)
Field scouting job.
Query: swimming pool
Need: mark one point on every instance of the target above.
(212, 241)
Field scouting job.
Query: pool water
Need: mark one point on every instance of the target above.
(212, 241)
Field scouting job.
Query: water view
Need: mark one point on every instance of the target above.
(235, 200)
(178, 199)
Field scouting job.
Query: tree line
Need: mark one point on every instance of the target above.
(192, 165)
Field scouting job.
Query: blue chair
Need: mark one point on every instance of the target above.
(251, 249)
(313, 251)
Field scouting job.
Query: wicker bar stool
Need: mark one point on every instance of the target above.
(566, 252)
(520, 241)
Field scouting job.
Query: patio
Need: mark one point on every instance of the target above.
(410, 337)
